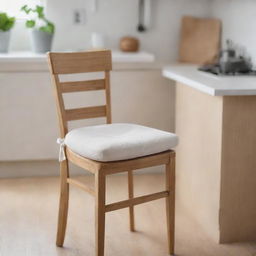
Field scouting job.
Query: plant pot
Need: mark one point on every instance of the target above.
(4, 41)
(41, 42)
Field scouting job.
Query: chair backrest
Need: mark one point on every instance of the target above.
(80, 62)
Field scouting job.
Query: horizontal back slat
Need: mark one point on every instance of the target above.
(84, 113)
(80, 62)
(79, 86)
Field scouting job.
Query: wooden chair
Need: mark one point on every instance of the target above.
(100, 61)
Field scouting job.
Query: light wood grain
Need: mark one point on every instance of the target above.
(131, 196)
(63, 204)
(136, 201)
(137, 163)
(100, 201)
(85, 163)
(108, 97)
(80, 62)
(170, 204)
(238, 176)
(200, 40)
(85, 113)
(82, 186)
(199, 125)
(82, 86)
(63, 125)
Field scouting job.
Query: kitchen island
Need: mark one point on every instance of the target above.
(216, 157)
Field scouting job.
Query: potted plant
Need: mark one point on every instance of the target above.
(42, 29)
(6, 24)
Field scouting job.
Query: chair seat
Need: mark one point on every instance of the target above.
(120, 141)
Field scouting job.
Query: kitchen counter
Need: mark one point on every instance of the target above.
(210, 83)
(117, 56)
(216, 122)
(28, 61)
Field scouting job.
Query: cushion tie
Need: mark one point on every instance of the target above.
(62, 155)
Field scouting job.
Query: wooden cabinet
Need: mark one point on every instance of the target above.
(216, 179)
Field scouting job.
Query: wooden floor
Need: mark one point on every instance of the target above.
(28, 215)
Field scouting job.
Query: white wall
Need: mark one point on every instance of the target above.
(239, 22)
(116, 18)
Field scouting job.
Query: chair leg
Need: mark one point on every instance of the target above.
(170, 204)
(100, 198)
(131, 195)
(63, 203)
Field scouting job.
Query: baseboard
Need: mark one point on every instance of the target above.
(17, 169)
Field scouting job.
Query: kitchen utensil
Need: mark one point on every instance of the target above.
(232, 59)
(234, 66)
(141, 27)
(200, 40)
(147, 14)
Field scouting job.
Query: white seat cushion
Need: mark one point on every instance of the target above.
(120, 141)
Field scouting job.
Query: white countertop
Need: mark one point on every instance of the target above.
(28, 61)
(117, 56)
(209, 83)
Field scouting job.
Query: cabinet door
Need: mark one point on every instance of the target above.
(28, 118)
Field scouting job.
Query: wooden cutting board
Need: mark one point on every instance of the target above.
(200, 40)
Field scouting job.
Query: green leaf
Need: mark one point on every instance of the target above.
(3, 19)
(25, 9)
(40, 11)
(49, 28)
(30, 23)
(6, 22)
(10, 23)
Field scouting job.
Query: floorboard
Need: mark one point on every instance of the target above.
(28, 217)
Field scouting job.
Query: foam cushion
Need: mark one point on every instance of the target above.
(120, 141)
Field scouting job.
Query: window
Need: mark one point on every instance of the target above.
(12, 7)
